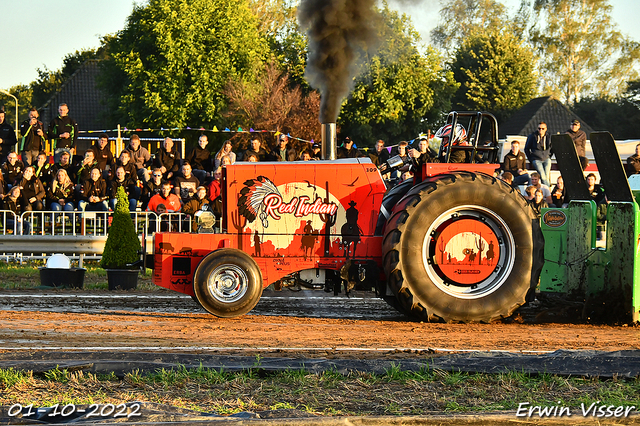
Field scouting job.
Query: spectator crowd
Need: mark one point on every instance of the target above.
(31, 180)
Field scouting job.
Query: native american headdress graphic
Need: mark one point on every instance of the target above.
(250, 203)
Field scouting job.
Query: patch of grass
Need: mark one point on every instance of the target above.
(330, 393)
(26, 276)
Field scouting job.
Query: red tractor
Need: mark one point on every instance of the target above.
(453, 244)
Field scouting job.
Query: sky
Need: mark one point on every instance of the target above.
(40, 33)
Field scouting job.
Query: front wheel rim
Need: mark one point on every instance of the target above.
(449, 255)
(228, 283)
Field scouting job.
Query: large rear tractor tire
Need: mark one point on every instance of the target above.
(461, 248)
(227, 283)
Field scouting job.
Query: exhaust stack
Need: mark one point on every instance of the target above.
(329, 141)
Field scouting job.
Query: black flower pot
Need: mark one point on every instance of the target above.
(122, 279)
(62, 277)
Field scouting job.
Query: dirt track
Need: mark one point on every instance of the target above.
(22, 329)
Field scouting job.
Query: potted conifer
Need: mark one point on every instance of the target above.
(121, 255)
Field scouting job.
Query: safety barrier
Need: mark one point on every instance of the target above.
(81, 235)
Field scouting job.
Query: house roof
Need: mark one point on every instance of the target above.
(85, 100)
(548, 109)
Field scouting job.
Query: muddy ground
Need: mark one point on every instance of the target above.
(308, 323)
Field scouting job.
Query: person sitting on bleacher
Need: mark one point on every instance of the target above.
(633, 162)
(535, 182)
(60, 193)
(151, 187)
(43, 169)
(82, 170)
(94, 193)
(33, 192)
(558, 193)
(130, 188)
(515, 162)
(64, 163)
(12, 169)
(103, 155)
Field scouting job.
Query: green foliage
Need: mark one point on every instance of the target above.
(24, 94)
(496, 73)
(582, 52)
(169, 64)
(618, 116)
(399, 92)
(122, 244)
(397, 101)
(460, 19)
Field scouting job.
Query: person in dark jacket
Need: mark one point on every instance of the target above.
(633, 162)
(43, 169)
(33, 192)
(348, 150)
(151, 187)
(130, 188)
(256, 149)
(195, 204)
(538, 150)
(94, 193)
(7, 137)
(200, 159)
(579, 138)
(281, 152)
(515, 162)
(33, 138)
(12, 169)
(13, 202)
(60, 194)
(380, 154)
(558, 193)
(103, 156)
(64, 163)
(62, 132)
(168, 159)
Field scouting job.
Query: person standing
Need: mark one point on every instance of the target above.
(63, 131)
(538, 151)
(579, 138)
(33, 138)
(7, 137)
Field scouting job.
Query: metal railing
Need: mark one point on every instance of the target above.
(35, 234)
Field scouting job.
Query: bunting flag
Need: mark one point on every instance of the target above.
(200, 129)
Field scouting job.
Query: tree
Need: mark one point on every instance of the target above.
(582, 52)
(399, 92)
(461, 18)
(273, 102)
(496, 73)
(170, 63)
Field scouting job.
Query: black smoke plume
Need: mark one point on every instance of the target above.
(337, 31)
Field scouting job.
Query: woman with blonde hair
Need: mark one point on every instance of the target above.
(60, 194)
(225, 150)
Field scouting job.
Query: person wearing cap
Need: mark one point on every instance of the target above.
(33, 138)
(281, 152)
(579, 138)
(316, 148)
(195, 204)
(7, 137)
(348, 149)
(62, 132)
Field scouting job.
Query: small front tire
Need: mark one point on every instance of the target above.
(228, 283)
